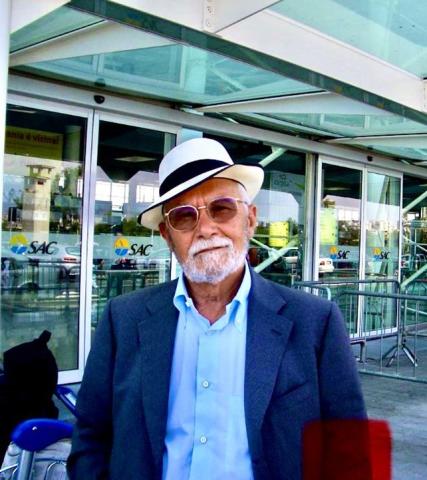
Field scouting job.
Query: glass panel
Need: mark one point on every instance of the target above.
(41, 228)
(353, 125)
(172, 71)
(413, 263)
(382, 246)
(382, 226)
(276, 251)
(339, 234)
(340, 222)
(411, 153)
(126, 256)
(278, 246)
(392, 30)
(60, 21)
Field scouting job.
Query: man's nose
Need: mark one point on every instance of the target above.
(206, 227)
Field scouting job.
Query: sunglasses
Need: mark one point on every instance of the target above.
(186, 217)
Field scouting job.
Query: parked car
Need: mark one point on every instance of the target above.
(413, 262)
(64, 259)
(326, 265)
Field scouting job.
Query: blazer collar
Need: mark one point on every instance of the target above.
(267, 336)
(156, 331)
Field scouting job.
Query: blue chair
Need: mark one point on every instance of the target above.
(34, 436)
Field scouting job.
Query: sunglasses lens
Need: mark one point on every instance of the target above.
(183, 218)
(222, 209)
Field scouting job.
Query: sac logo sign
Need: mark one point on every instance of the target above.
(122, 247)
(336, 254)
(380, 254)
(19, 245)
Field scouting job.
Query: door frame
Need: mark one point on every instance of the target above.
(90, 183)
(365, 170)
(74, 375)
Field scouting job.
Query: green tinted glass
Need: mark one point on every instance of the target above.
(173, 72)
(354, 125)
(394, 31)
(57, 23)
(155, 67)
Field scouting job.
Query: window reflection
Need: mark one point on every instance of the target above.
(126, 256)
(339, 247)
(41, 228)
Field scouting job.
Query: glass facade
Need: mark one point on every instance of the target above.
(413, 262)
(126, 256)
(357, 219)
(41, 230)
(392, 30)
(340, 222)
(277, 249)
(382, 226)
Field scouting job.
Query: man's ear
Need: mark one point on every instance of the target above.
(252, 220)
(164, 232)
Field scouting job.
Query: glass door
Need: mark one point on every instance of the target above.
(358, 231)
(382, 226)
(125, 255)
(42, 221)
(382, 221)
(339, 234)
(339, 223)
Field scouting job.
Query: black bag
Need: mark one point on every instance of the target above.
(28, 384)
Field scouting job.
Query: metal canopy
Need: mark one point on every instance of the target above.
(300, 65)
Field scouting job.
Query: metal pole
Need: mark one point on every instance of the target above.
(26, 462)
(5, 12)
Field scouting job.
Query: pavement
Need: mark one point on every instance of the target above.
(403, 404)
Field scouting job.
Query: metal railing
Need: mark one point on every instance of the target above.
(399, 338)
(389, 326)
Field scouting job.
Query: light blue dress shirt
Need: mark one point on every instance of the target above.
(206, 431)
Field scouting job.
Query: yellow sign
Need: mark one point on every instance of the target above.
(278, 234)
(33, 143)
(328, 227)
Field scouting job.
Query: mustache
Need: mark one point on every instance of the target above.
(200, 245)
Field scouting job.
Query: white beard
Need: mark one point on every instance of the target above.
(213, 266)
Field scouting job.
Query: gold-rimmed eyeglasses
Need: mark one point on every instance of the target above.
(186, 217)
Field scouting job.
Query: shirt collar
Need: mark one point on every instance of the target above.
(181, 298)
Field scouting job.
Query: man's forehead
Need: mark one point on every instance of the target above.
(209, 188)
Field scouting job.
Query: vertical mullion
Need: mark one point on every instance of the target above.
(88, 231)
(309, 215)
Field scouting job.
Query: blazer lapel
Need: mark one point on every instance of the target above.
(157, 335)
(267, 336)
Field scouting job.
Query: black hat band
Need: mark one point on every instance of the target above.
(188, 171)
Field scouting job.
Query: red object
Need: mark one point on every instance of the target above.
(347, 449)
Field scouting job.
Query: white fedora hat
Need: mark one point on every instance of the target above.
(191, 163)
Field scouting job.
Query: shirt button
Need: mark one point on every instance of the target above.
(205, 384)
(203, 439)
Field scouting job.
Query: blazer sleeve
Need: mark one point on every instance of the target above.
(340, 389)
(92, 437)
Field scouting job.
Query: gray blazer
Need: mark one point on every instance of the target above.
(299, 368)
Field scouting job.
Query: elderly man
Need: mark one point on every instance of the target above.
(213, 375)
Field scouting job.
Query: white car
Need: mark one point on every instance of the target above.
(326, 265)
